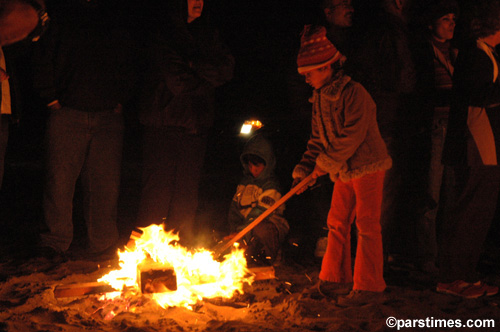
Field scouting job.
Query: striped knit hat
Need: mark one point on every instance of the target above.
(316, 50)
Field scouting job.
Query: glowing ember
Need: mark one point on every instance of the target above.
(198, 274)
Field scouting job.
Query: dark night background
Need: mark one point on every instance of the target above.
(264, 38)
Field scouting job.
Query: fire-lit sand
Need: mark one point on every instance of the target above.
(198, 293)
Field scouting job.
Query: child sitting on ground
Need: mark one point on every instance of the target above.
(257, 191)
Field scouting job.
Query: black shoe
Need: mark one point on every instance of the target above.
(50, 254)
(98, 256)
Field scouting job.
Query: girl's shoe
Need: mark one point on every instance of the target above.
(358, 298)
(333, 289)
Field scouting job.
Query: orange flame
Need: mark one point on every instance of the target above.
(198, 274)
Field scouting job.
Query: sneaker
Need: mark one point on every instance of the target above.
(358, 298)
(467, 290)
(488, 289)
(333, 289)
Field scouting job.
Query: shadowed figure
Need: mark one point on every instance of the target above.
(188, 61)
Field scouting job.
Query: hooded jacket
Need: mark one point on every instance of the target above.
(255, 195)
(345, 140)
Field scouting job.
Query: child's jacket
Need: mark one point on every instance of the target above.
(255, 195)
(345, 140)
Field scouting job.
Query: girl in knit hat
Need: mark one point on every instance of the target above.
(346, 144)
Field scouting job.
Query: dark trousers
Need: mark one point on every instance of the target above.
(172, 166)
(89, 146)
(469, 199)
(428, 222)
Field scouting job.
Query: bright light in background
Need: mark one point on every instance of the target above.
(250, 126)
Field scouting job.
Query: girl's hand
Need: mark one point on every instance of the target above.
(317, 172)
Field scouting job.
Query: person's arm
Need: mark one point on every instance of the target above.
(204, 66)
(179, 75)
(44, 80)
(264, 202)
(314, 147)
(216, 64)
(474, 79)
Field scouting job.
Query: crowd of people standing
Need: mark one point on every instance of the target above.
(416, 89)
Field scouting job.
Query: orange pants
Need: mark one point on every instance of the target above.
(362, 198)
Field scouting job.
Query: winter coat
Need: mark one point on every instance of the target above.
(86, 60)
(188, 62)
(255, 195)
(345, 140)
(473, 136)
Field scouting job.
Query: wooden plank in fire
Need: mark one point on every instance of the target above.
(263, 272)
(156, 278)
(72, 290)
(89, 288)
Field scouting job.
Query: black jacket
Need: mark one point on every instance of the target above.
(188, 61)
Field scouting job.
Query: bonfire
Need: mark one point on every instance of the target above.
(155, 263)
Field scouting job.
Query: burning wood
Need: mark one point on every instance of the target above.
(174, 276)
(263, 273)
(155, 263)
(73, 290)
(155, 278)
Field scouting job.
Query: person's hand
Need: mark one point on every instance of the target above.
(317, 172)
(296, 181)
(3, 75)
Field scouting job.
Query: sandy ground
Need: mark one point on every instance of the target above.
(287, 303)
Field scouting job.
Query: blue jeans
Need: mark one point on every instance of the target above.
(86, 145)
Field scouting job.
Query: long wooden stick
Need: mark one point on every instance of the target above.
(223, 246)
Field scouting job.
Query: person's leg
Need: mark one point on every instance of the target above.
(426, 225)
(101, 179)
(160, 152)
(265, 239)
(467, 219)
(66, 147)
(187, 179)
(390, 201)
(333, 268)
(368, 266)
